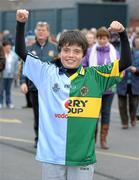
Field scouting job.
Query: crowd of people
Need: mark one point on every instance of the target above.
(79, 72)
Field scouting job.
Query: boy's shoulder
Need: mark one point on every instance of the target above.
(105, 69)
(32, 55)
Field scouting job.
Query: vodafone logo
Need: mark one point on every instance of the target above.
(61, 116)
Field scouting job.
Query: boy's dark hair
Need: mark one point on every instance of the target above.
(73, 37)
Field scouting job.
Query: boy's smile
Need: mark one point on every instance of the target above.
(71, 56)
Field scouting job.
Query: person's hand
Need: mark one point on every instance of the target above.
(22, 15)
(116, 26)
(133, 69)
(24, 88)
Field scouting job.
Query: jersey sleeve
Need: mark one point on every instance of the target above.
(35, 69)
(108, 75)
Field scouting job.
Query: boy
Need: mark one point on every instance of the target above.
(69, 92)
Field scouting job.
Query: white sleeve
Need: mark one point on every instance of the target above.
(34, 69)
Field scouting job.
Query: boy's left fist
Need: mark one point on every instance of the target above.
(116, 26)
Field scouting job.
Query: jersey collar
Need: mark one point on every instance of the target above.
(80, 71)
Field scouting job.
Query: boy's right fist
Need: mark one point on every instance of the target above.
(22, 15)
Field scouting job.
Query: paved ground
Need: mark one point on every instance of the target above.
(17, 155)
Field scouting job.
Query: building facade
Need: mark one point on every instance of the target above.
(66, 14)
(46, 4)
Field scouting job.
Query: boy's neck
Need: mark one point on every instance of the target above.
(67, 71)
(71, 71)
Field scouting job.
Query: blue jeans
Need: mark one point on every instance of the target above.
(106, 108)
(6, 88)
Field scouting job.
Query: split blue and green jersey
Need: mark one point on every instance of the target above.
(69, 108)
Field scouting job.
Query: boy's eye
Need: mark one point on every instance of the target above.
(74, 51)
(66, 50)
(77, 51)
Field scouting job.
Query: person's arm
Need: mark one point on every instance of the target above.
(23, 79)
(20, 47)
(125, 57)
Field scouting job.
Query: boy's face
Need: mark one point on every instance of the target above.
(71, 56)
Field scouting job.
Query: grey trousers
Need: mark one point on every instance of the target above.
(61, 172)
